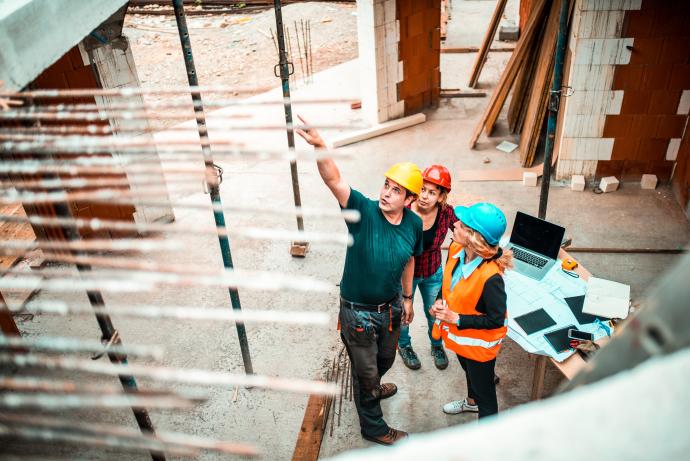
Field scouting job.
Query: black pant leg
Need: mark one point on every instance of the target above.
(468, 378)
(362, 349)
(481, 375)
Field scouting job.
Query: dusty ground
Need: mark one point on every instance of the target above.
(237, 49)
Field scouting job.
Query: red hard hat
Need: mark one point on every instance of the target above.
(439, 175)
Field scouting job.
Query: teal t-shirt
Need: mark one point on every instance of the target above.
(375, 262)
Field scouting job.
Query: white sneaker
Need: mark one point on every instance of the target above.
(459, 406)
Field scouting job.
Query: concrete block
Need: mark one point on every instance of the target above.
(389, 11)
(648, 181)
(672, 149)
(509, 33)
(609, 184)
(684, 104)
(529, 178)
(577, 182)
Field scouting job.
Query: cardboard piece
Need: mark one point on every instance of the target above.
(607, 298)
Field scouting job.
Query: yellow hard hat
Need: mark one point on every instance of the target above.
(408, 175)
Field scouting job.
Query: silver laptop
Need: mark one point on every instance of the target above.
(535, 244)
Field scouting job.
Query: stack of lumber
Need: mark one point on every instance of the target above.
(529, 74)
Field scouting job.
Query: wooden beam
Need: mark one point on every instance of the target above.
(538, 98)
(474, 49)
(377, 130)
(488, 118)
(486, 44)
(310, 435)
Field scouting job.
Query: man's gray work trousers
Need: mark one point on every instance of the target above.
(371, 339)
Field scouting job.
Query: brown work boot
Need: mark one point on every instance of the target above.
(387, 390)
(393, 436)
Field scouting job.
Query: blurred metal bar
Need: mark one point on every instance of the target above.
(42, 428)
(75, 401)
(73, 345)
(167, 374)
(280, 316)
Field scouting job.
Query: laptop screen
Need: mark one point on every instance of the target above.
(537, 235)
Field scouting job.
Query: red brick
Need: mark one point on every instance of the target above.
(671, 126)
(675, 50)
(635, 102)
(418, 6)
(413, 104)
(75, 57)
(662, 170)
(644, 126)
(663, 102)
(637, 24)
(81, 78)
(656, 77)
(652, 149)
(609, 168)
(624, 148)
(403, 8)
(633, 170)
(432, 19)
(680, 77)
(415, 25)
(646, 50)
(627, 77)
(617, 126)
(669, 19)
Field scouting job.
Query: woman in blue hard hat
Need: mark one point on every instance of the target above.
(472, 305)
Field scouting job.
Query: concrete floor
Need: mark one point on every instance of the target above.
(630, 217)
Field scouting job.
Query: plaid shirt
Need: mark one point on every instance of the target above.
(427, 263)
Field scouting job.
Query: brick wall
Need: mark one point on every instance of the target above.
(70, 72)
(655, 85)
(419, 51)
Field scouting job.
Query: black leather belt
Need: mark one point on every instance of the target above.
(383, 307)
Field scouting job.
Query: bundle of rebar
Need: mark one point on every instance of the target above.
(60, 158)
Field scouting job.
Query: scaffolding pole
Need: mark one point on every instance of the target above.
(286, 68)
(213, 173)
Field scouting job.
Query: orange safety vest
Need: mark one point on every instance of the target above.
(478, 345)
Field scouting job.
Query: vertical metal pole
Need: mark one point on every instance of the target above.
(212, 178)
(554, 103)
(129, 384)
(285, 78)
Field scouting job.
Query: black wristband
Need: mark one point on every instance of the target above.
(407, 297)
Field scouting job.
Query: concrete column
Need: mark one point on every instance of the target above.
(114, 64)
(378, 33)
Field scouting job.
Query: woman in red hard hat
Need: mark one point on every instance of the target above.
(437, 217)
(473, 310)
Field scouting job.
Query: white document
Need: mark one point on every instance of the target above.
(607, 298)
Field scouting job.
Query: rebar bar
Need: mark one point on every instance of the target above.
(284, 66)
(167, 374)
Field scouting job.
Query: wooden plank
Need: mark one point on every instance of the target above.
(488, 118)
(522, 87)
(310, 435)
(486, 44)
(14, 231)
(474, 49)
(539, 96)
(377, 130)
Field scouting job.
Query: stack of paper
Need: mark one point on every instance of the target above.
(606, 298)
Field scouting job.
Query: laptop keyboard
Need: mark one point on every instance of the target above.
(529, 258)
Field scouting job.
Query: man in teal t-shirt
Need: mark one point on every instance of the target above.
(378, 266)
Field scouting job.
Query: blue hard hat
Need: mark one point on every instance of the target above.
(485, 218)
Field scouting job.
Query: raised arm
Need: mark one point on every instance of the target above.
(327, 168)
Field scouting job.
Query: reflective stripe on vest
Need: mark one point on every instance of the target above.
(466, 341)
